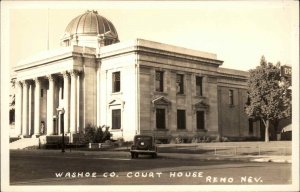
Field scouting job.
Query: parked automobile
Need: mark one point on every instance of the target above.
(143, 144)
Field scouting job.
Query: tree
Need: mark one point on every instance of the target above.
(12, 96)
(269, 96)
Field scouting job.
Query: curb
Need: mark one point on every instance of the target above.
(272, 160)
(222, 158)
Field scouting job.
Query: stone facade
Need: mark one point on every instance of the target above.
(233, 121)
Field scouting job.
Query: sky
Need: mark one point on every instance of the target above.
(238, 32)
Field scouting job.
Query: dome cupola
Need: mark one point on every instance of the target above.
(90, 29)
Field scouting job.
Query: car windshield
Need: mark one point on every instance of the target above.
(144, 138)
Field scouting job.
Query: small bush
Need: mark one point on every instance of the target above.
(224, 139)
(176, 140)
(195, 140)
(93, 134)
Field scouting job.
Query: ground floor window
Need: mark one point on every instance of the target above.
(11, 116)
(200, 120)
(160, 118)
(181, 119)
(116, 119)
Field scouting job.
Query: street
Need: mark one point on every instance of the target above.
(44, 168)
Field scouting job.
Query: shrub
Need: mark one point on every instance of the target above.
(176, 140)
(195, 140)
(224, 139)
(106, 134)
(93, 134)
(89, 134)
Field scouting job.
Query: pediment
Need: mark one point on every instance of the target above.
(161, 101)
(200, 105)
(116, 102)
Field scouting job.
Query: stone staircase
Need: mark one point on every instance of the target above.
(24, 142)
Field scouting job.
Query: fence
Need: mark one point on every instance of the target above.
(233, 150)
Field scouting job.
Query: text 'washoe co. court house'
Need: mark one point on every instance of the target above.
(134, 87)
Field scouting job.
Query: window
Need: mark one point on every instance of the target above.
(116, 87)
(179, 83)
(108, 41)
(199, 86)
(230, 97)
(181, 119)
(160, 118)
(159, 81)
(62, 91)
(67, 43)
(116, 119)
(11, 116)
(200, 120)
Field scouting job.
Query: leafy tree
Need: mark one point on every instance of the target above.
(270, 99)
(12, 96)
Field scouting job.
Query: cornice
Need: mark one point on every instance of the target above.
(162, 53)
(158, 49)
(65, 54)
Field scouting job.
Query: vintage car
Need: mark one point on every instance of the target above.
(143, 144)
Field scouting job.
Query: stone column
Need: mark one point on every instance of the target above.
(58, 122)
(66, 101)
(50, 106)
(78, 103)
(37, 115)
(73, 102)
(25, 109)
(98, 97)
(30, 107)
(18, 108)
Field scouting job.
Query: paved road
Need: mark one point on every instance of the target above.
(32, 168)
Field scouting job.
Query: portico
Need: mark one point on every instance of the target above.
(39, 95)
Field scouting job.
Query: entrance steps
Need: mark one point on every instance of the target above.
(24, 142)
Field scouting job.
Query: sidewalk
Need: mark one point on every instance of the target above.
(163, 155)
(245, 158)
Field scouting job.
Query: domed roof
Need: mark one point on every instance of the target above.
(92, 24)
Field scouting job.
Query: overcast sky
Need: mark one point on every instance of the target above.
(238, 32)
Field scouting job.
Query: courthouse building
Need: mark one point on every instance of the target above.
(134, 87)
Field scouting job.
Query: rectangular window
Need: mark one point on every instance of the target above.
(159, 81)
(230, 95)
(116, 119)
(62, 91)
(179, 83)
(42, 92)
(160, 118)
(181, 119)
(199, 86)
(108, 42)
(116, 80)
(200, 120)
